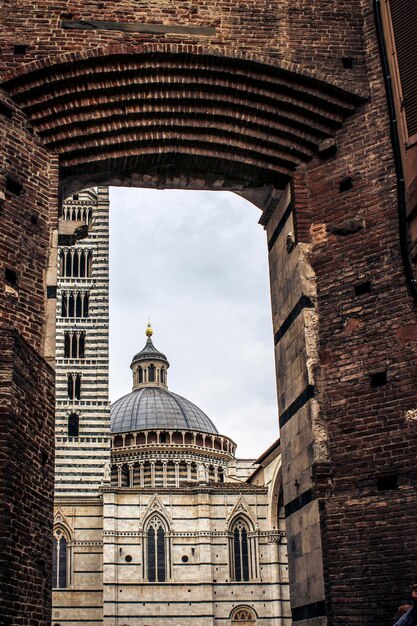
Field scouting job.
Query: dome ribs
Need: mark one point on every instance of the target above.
(153, 408)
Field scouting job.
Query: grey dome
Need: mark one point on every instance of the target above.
(160, 409)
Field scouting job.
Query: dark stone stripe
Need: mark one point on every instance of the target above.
(309, 611)
(299, 402)
(298, 502)
(280, 226)
(135, 27)
(304, 303)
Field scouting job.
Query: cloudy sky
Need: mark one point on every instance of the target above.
(196, 264)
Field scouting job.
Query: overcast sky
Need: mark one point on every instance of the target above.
(196, 264)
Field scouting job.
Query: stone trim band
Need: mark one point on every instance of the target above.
(309, 611)
(303, 303)
(298, 403)
(280, 227)
(299, 502)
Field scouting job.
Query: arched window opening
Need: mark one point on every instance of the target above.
(159, 474)
(240, 551)
(71, 305)
(86, 302)
(78, 306)
(77, 392)
(73, 425)
(74, 345)
(74, 386)
(163, 375)
(82, 265)
(156, 551)
(81, 346)
(89, 264)
(62, 263)
(140, 373)
(60, 560)
(66, 263)
(193, 471)
(151, 373)
(145, 474)
(67, 345)
(171, 474)
(74, 304)
(125, 476)
(75, 263)
(244, 616)
(183, 472)
(64, 305)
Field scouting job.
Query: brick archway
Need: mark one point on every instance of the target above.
(260, 108)
(123, 116)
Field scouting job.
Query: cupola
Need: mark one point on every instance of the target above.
(149, 366)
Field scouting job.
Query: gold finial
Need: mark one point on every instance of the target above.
(149, 331)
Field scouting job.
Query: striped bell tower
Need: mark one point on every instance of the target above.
(82, 344)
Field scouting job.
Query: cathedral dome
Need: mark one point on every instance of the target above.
(159, 409)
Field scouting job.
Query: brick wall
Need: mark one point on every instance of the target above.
(28, 185)
(26, 482)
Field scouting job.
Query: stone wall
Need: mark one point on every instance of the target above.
(107, 551)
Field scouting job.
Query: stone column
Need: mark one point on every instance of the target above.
(131, 475)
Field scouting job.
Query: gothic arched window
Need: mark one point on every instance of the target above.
(156, 551)
(60, 560)
(241, 553)
(242, 550)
